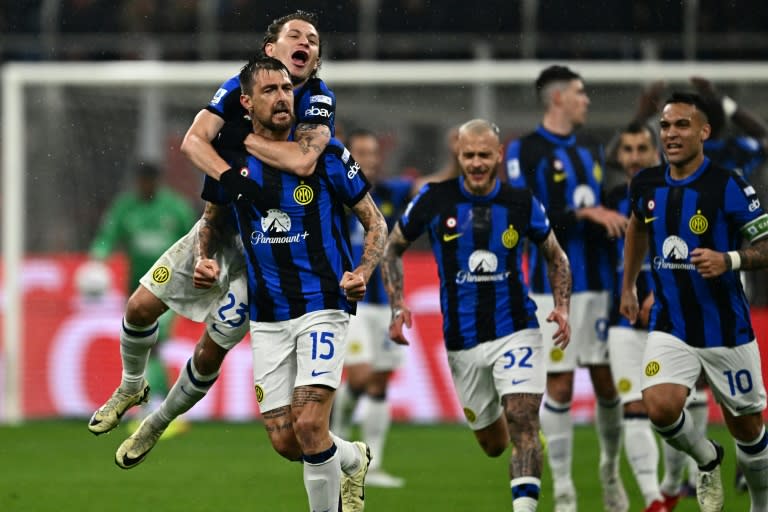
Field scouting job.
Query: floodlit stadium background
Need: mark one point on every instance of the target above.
(408, 70)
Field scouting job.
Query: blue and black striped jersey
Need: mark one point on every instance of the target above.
(314, 103)
(391, 196)
(297, 244)
(713, 208)
(478, 242)
(741, 154)
(618, 199)
(565, 174)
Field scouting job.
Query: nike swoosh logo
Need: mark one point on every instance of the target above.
(129, 462)
(648, 220)
(217, 329)
(519, 381)
(316, 373)
(448, 237)
(559, 176)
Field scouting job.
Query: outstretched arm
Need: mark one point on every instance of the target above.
(559, 273)
(354, 283)
(392, 273)
(298, 156)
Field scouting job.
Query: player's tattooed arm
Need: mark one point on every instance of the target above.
(211, 231)
(298, 156)
(312, 138)
(522, 413)
(755, 256)
(375, 235)
(558, 270)
(392, 266)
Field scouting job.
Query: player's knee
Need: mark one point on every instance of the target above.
(308, 428)
(139, 311)
(208, 356)
(494, 447)
(286, 446)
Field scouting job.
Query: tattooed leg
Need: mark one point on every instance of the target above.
(522, 413)
(279, 427)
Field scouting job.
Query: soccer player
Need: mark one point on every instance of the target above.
(692, 216)
(302, 288)
(144, 222)
(564, 170)
(371, 356)
(637, 150)
(477, 228)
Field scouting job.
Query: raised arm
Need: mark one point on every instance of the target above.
(298, 156)
(559, 274)
(392, 273)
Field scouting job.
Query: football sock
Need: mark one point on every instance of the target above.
(349, 455)
(135, 344)
(675, 462)
(643, 455)
(344, 404)
(698, 411)
(322, 480)
(375, 427)
(608, 417)
(190, 388)
(752, 458)
(525, 493)
(557, 425)
(682, 435)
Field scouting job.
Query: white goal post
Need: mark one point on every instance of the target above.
(476, 74)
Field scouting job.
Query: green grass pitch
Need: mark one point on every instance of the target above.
(217, 467)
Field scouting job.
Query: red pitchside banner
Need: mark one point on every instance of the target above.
(71, 352)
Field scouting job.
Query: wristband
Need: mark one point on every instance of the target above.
(735, 259)
(729, 106)
(396, 312)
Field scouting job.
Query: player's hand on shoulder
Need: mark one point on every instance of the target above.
(353, 286)
(708, 263)
(401, 316)
(206, 273)
(562, 335)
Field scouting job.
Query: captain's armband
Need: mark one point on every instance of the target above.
(755, 229)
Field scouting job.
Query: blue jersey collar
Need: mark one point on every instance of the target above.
(698, 172)
(490, 195)
(560, 140)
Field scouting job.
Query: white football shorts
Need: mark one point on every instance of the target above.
(303, 351)
(733, 373)
(588, 317)
(626, 347)
(223, 307)
(368, 339)
(485, 373)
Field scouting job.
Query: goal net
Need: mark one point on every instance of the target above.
(71, 132)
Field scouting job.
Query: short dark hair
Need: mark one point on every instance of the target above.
(554, 74)
(257, 63)
(274, 28)
(637, 127)
(690, 98)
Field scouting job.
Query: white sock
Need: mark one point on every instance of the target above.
(752, 458)
(344, 404)
(525, 493)
(135, 344)
(643, 455)
(375, 428)
(349, 455)
(322, 480)
(557, 425)
(190, 387)
(674, 465)
(698, 411)
(682, 435)
(608, 415)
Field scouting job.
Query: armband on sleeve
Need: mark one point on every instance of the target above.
(755, 229)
